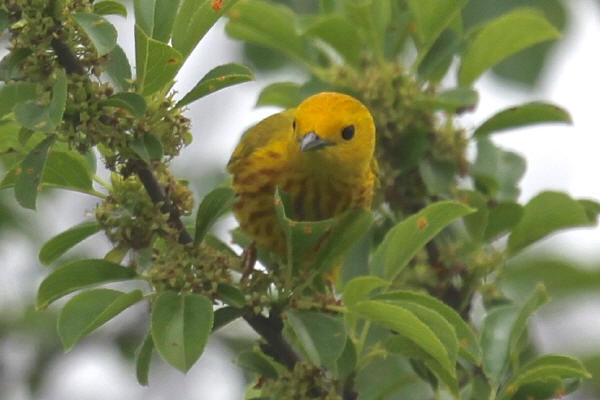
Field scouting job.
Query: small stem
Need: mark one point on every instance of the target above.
(158, 196)
(363, 337)
(305, 304)
(102, 183)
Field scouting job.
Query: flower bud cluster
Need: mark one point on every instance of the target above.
(191, 269)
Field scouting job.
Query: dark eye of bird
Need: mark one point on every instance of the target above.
(348, 132)
(294, 125)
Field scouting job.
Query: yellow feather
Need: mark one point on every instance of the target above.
(333, 173)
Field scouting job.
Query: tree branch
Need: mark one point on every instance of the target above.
(67, 58)
(157, 195)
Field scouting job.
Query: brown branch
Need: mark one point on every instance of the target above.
(276, 346)
(67, 58)
(158, 196)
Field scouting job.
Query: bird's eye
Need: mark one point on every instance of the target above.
(294, 125)
(348, 132)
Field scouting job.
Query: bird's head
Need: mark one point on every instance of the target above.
(336, 129)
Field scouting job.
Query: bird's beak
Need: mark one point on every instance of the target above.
(311, 141)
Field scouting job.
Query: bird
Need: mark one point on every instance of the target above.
(320, 153)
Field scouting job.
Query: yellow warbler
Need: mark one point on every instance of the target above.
(320, 153)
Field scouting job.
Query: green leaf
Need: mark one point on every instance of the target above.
(546, 213)
(258, 363)
(213, 205)
(142, 360)
(469, 344)
(561, 277)
(359, 289)
(28, 179)
(281, 94)
(436, 62)
(523, 115)
(4, 21)
(356, 261)
(9, 138)
(45, 118)
(497, 172)
(321, 336)
(231, 295)
(546, 367)
(340, 34)
(371, 18)
(301, 236)
(156, 17)
(65, 170)
(406, 324)
(346, 231)
(118, 69)
(225, 315)
(439, 177)
(475, 223)
(405, 239)
(59, 244)
(404, 346)
(501, 218)
(14, 93)
(132, 102)
(455, 100)
(247, 22)
(110, 7)
(102, 33)
(148, 148)
(346, 363)
(437, 323)
(89, 310)
(10, 65)
(192, 22)
(181, 324)
(216, 79)
(157, 63)
(495, 337)
(79, 274)
(501, 38)
(502, 328)
(432, 17)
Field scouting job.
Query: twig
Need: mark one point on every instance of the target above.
(67, 58)
(158, 196)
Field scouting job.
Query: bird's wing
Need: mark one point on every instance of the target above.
(275, 127)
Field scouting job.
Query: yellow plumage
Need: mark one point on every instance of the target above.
(320, 153)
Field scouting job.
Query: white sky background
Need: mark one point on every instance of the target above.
(559, 157)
